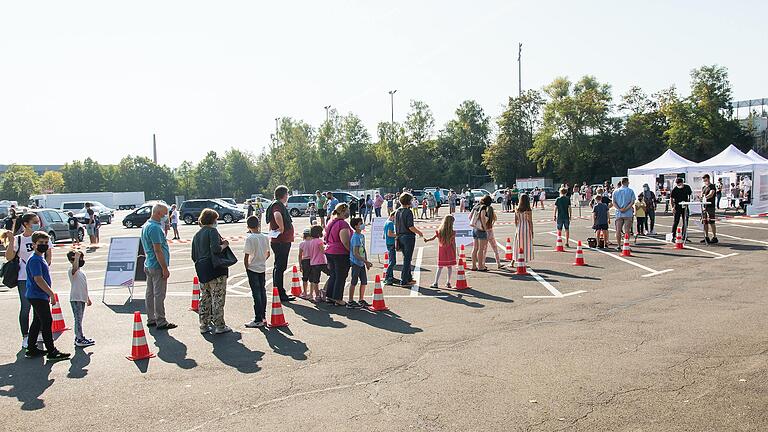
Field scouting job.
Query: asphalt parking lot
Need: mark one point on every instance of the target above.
(665, 340)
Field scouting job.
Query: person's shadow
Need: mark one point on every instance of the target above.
(283, 345)
(228, 348)
(170, 349)
(314, 316)
(78, 362)
(385, 320)
(26, 380)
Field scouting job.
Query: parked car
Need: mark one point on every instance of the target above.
(54, 222)
(418, 195)
(297, 204)
(498, 195)
(190, 210)
(138, 217)
(105, 213)
(346, 197)
(230, 201)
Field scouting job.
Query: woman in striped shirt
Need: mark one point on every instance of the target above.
(524, 229)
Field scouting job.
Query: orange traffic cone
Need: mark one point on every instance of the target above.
(509, 256)
(461, 278)
(386, 266)
(195, 294)
(521, 268)
(378, 297)
(625, 250)
(277, 319)
(295, 283)
(463, 257)
(139, 347)
(579, 255)
(58, 325)
(559, 243)
(679, 239)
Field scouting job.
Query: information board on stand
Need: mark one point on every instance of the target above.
(121, 264)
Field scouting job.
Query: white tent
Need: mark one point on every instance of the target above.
(756, 157)
(729, 160)
(668, 163)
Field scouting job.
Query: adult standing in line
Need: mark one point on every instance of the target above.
(406, 233)
(90, 226)
(746, 191)
(624, 200)
(174, 217)
(708, 192)
(507, 200)
(378, 201)
(524, 229)
(452, 202)
(680, 193)
(514, 197)
(330, 205)
(480, 219)
(21, 246)
(213, 280)
(281, 233)
(431, 204)
(362, 203)
(321, 200)
(588, 194)
(158, 258)
(438, 202)
(719, 193)
(337, 236)
(649, 197)
(248, 208)
(369, 208)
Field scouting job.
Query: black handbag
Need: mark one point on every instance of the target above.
(10, 270)
(224, 259)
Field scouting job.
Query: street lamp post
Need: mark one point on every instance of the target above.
(277, 129)
(327, 107)
(392, 103)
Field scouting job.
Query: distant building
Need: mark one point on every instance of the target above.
(39, 169)
(753, 116)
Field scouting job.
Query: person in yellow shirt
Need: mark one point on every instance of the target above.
(640, 214)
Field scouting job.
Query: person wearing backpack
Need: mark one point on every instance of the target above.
(480, 224)
(19, 251)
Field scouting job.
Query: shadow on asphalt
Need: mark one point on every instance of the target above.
(129, 307)
(740, 247)
(230, 351)
(281, 344)
(550, 273)
(26, 380)
(78, 362)
(385, 320)
(314, 316)
(453, 296)
(170, 349)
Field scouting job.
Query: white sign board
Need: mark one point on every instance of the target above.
(463, 229)
(378, 241)
(121, 261)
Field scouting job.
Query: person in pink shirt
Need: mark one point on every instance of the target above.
(378, 201)
(337, 236)
(317, 262)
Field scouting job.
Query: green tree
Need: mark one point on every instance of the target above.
(185, 179)
(507, 158)
(139, 173)
(462, 143)
(85, 176)
(239, 171)
(209, 176)
(18, 183)
(51, 182)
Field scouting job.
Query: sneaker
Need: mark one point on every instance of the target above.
(34, 352)
(353, 305)
(448, 285)
(255, 324)
(84, 342)
(220, 330)
(151, 323)
(363, 304)
(25, 342)
(704, 240)
(714, 240)
(167, 326)
(57, 355)
(389, 282)
(434, 285)
(205, 329)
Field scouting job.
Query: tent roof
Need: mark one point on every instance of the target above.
(730, 159)
(669, 162)
(756, 157)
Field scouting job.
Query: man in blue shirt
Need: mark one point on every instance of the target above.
(624, 202)
(158, 258)
(332, 203)
(41, 297)
(389, 236)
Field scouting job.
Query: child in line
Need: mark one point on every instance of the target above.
(256, 253)
(41, 297)
(389, 236)
(304, 262)
(78, 295)
(312, 212)
(600, 220)
(424, 208)
(360, 264)
(317, 263)
(446, 249)
(562, 215)
(640, 206)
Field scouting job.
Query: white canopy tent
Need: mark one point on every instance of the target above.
(756, 157)
(668, 163)
(729, 160)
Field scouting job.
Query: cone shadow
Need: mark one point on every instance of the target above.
(314, 316)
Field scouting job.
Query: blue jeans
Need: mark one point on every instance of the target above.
(378, 211)
(259, 292)
(78, 309)
(392, 262)
(407, 244)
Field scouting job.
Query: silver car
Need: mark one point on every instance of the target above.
(298, 204)
(54, 222)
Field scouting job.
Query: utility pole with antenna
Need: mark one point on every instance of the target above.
(392, 103)
(154, 149)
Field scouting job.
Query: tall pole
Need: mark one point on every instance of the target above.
(154, 149)
(519, 69)
(327, 107)
(277, 129)
(392, 103)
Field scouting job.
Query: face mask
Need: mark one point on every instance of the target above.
(164, 219)
(215, 224)
(35, 227)
(42, 248)
(646, 188)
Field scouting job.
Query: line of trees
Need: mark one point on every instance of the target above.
(571, 131)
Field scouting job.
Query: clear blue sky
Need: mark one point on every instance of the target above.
(97, 78)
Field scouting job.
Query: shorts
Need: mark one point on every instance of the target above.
(535, 198)
(600, 227)
(708, 215)
(305, 269)
(174, 225)
(73, 234)
(479, 234)
(563, 223)
(515, 201)
(358, 272)
(623, 225)
(89, 229)
(314, 272)
(321, 213)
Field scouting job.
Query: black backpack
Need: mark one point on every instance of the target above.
(9, 272)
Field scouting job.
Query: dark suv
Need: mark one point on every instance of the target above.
(190, 210)
(346, 197)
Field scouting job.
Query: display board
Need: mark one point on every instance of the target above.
(463, 229)
(121, 263)
(378, 241)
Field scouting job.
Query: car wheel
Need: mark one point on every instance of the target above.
(227, 218)
(52, 235)
(498, 200)
(188, 219)
(295, 212)
(128, 224)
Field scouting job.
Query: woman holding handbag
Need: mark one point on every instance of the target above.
(212, 257)
(480, 225)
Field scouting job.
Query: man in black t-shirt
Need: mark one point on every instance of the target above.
(708, 192)
(680, 193)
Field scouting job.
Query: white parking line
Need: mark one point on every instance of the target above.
(417, 272)
(725, 235)
(716, 254)
(555, 292)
